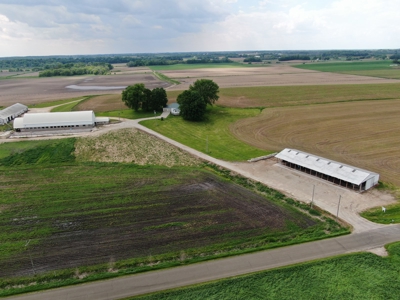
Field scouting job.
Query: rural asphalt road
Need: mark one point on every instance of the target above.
(202, 272)
(197, 273)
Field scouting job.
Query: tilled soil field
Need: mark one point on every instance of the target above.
(37, 90)
(80, 215)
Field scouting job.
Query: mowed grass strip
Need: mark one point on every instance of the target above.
(383, 69)
(355, 276)
(211, 136)
(363, 134)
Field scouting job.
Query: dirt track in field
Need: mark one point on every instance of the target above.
(360, 134)
(279, 75)
(39, 90)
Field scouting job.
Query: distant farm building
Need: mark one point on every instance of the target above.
(335, 172)
(10, 113)
(58, 121)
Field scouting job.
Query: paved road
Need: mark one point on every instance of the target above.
(176, 277)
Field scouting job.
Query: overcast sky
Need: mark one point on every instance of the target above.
(62, 27)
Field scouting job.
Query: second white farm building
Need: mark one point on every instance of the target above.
(335, 172)
(58, 121)
(10, 113)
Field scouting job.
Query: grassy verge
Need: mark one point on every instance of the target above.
(165, 78)
(127, 114)
(14, 148)
(354, 276)
(57, 102)
(212, 136)
(392, 214)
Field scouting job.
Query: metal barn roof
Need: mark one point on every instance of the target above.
(325, 166)
(58, 119)
(16, 108)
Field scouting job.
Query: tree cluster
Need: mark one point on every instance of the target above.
(193, 102)
(72, 69)
(294, 57)
(139, 97)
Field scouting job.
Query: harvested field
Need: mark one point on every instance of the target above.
(38, 90)
(86, 214)
(131, 145)
(275, 96)
(102, 103)
(364, 134)
(280, 75)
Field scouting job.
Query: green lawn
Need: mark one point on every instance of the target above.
(355, 276)
(127, 114)
(213, 136)
(366, 68)
(201, 66)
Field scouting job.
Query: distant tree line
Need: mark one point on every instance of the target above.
(253, 59)
(36, 63)
(72, 69)
(294, 57)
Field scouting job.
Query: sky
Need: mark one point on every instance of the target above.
(70, 27)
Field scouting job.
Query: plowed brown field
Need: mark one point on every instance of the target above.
(364, 134)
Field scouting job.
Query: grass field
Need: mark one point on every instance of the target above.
(131, 218)
(213, 136)
(363, 134)
(381, 69)
(200, 66)
(355, 276)
(276, 96)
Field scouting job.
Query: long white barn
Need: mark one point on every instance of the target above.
(56, 121)
(336, 172)
(10, 113)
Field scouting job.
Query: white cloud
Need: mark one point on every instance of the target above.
(30, 27)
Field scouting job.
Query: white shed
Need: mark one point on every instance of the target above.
(336, 172)
(56, 120)
(10, 113)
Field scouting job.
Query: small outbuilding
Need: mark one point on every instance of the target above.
(335, 172)
(56, 121)
(10, 113)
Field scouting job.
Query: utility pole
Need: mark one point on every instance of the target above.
(312, 199)
(337, 214)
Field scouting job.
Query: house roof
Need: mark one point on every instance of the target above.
(13, 109)
(325, 166)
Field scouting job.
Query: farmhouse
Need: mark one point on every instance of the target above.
(335, 172)
(58, 121)
(10, 113)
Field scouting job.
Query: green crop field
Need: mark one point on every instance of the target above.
(57, 102)
(384, 69)
(109, 219)
(212, 136)
(201, 66)
(355, 276)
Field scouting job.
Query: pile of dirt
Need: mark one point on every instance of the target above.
(131, 145)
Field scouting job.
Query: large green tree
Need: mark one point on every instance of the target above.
(158, 98)
(192, 105)
(134, 95)
(207, 89)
